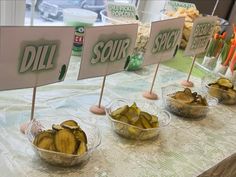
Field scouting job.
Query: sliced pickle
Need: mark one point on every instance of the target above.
(132, 115)
(139, 124)
(145, 122)
(80, 136)
(69, 123)
(187, 91)
(76, 127)
(215, 91)
(154, 119)
(82, 148)
(231, 93)
(124, 119)
(65, 141)
(134, 106)
(57, 127)
(46, 143)
(120, 111)
(181, 96)
(155, 124)
(146, 115)
(38, 138)
(225, 83)
(133, 130)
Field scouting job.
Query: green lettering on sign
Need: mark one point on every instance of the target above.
(38, 56)
(165, 40)
(111, 50)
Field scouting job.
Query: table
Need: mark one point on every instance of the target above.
(183, 149)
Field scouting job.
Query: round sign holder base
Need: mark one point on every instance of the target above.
(98, 110)
(24, 127)
(187, 83)
(150, 95)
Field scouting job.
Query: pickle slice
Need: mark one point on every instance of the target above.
(65, 141)
(225, 83)
(215, 91)
(46, 143)
(132, 115)
(57, 127)
(154, 119)
(80, 136)
(69, 123)
(181, 96)
(38, 138)
(187, 91)
(82, 148)
(120, 111)
(231, 93)
(145, 122)
(146, 115)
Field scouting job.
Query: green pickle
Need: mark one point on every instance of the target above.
(136, 118)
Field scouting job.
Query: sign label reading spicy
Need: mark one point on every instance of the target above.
(165, 40)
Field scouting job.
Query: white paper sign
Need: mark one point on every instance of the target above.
(164, 40)
(201, 34)
(34, 56)
(174, 5)
(106, 49)
(121, 11)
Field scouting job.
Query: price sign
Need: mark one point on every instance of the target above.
(201, 34)
(34, 56)
(106, 49)
(164, 40)
(121, 10)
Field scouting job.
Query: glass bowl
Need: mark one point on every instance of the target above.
(224, 96)
(132, 132)
(58, 158)
(182, 109)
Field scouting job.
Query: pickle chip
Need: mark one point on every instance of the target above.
(65, 141)
(82, 148)
(39, 137)
(225, 83)
(145, 123)
(57, 127)
(183, 97)
(69, 123)
(120, 111)
(80, 136)
(46, 143)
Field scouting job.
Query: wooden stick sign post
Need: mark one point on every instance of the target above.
(163, 43)
(33, 56)
(105, 51)
(201, 33)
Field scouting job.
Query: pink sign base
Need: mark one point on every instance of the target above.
(98, 110)
(150, 95)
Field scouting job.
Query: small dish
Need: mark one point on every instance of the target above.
(224, 95)
(183, 109)
(133, 132)
(58, 158)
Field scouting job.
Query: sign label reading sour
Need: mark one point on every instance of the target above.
(111, 50)
(106, 49)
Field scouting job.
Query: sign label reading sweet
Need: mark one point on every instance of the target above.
(202, 31)
(121, 10)
(41, 55)
(164, 39)
(106, 49)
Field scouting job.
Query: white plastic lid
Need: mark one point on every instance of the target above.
(79, 15)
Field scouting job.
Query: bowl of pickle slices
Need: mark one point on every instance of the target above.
(222, 88)
(138, 119)
(67, 143)
(187, 103)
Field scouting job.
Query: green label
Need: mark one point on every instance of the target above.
(110, 51)
(175, 5)
(165, 40)
(38, 56)
(122, 10)
(201, 35)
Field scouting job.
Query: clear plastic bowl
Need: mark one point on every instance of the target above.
(58, 158)
(223, 96)
(132, 132)
(182, 109)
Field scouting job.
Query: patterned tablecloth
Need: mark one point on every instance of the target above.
(183, 149)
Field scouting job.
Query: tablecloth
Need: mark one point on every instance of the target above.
(183, 149)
